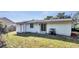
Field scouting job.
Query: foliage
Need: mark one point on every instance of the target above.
(11, 28)
(2, 31)
(63, 16)
(48, 17)
(73, 34)
(75, 19)
(76, 16)
(58, 16)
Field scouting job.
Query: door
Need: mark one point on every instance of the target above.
(43, 28)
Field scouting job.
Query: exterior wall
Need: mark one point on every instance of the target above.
(35, 29)
(62, 29)
(18, 28)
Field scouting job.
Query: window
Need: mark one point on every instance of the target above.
(43, 27)
(31, 25)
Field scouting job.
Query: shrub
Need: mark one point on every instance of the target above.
(73, 34)
(11, 28)
(2, 32)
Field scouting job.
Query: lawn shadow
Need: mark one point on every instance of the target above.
(54, 37)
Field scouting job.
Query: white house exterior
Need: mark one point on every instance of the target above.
(61, 26)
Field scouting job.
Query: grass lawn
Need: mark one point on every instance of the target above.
(38, 41)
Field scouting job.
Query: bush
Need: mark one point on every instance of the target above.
(2, 43)
(73, 34)
(11, 28)
(2, 32)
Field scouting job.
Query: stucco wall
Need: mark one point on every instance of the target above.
(35, 29)
(62, 29)
(18, 28)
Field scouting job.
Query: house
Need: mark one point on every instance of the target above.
(7, 21)
(60, 26)
(10, 24)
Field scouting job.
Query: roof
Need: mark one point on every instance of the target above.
(6, 20)
(46, 21)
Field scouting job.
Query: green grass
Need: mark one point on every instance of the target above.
(39, 41)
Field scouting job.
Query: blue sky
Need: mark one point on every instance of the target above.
(18, 16)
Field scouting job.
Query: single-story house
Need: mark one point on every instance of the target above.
(59, 26)
(11, 26)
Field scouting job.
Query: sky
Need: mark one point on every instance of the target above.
(18, 16)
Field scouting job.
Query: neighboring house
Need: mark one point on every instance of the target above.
(10, 24)
(7, 21)
(60, 26)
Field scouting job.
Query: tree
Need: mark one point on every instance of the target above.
(48, 17)
(62, 15)
(75, 19)
(67, 16)
(58, 16)
(2, 31)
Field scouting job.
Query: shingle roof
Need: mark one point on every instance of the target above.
(6, 20)
(45, 21)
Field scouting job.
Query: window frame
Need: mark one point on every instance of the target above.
(43, 27)
(31, 25)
